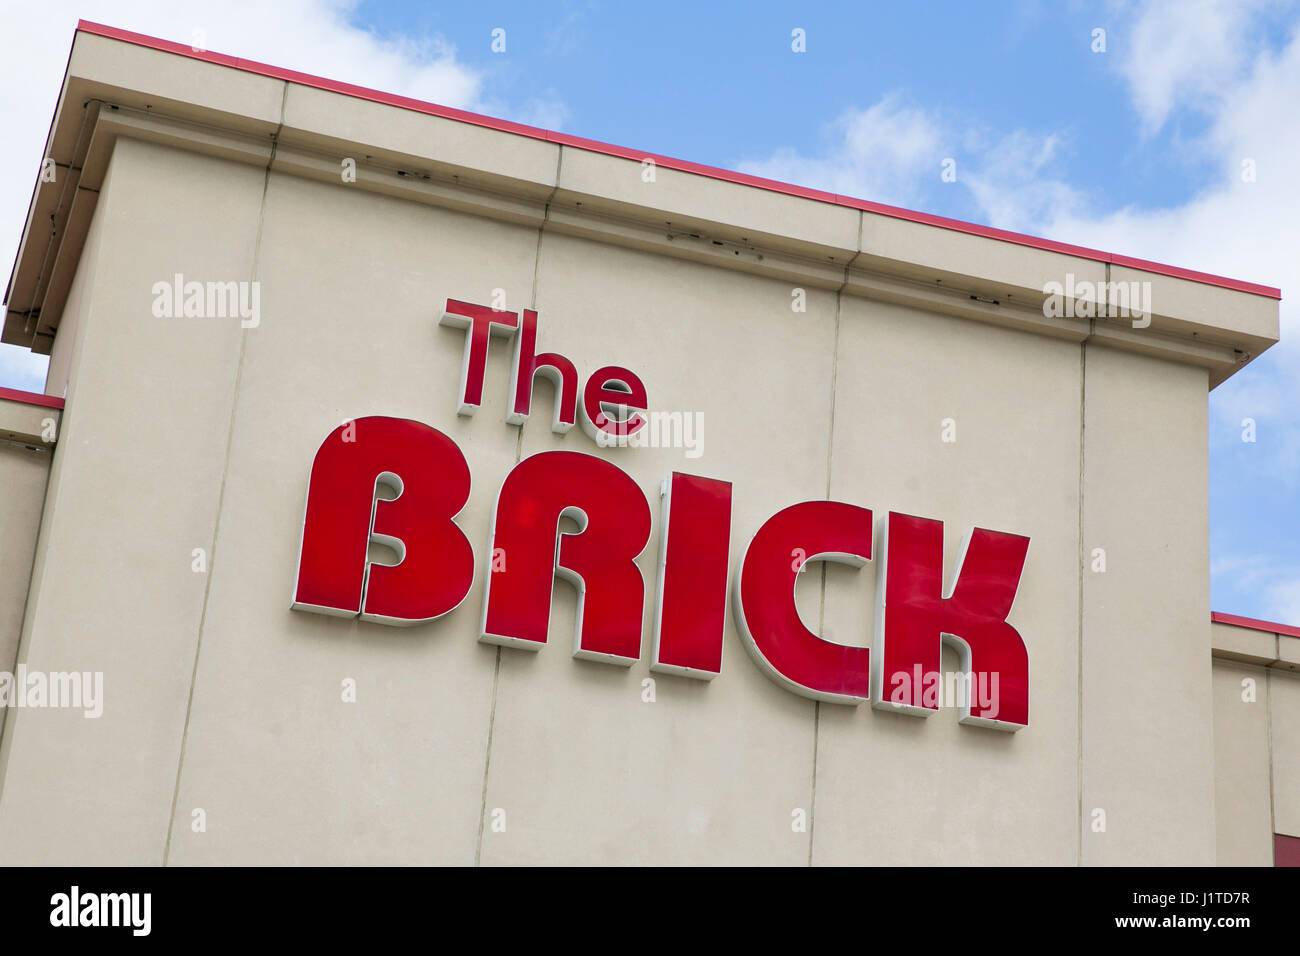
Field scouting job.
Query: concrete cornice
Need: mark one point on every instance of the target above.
(118, 87)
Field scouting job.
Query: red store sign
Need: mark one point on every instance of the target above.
(427, 483)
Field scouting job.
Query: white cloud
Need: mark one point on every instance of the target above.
(22, 370)
(1010, 186)
(544, 112)
(1179, 54)
(311, 36)
(1232, 227)
(895, 153)
(1212, 58)
(1282, 600)
(1175, 54)
(1273, 589)
(890, 152)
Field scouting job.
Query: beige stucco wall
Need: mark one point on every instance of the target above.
(193, 433)
(1256, 709)
(891, 788)
(1284, 727)
(135, 488)
(24, 469)
(1146, 648)
(1242, 784)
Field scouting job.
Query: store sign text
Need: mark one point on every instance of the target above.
(402, 483)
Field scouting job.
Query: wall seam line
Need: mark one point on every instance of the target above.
(487, 757)
(519, 448)
(1272, 800)
(221, 493)
(1083, 564)
(821, 617)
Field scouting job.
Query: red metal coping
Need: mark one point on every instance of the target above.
(668, 162)
(1286, 850)
(1255, 624)
(30, 398)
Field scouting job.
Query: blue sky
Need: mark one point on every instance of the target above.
(1137, 149)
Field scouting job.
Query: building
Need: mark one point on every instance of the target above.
(250, 281)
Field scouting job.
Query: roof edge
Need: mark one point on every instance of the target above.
(30, 398)
(668, 162)
(1254, 624)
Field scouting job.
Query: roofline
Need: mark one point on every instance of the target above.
(668, 162)
(30, 398)
(1255, 624)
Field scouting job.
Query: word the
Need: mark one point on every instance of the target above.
(613, 402)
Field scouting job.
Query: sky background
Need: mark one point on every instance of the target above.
(1136, 150)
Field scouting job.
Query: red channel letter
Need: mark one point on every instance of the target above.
(918, 617)
(694, 551)
(611, 415)
(528, 550)
(346, 511)
(551, 365)
(766, 616)
(480, 323)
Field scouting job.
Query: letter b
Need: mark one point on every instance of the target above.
(427, 481)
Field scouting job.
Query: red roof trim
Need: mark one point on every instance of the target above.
(30, 398)
(668, 162)
(1255, 624)
(1286, 850)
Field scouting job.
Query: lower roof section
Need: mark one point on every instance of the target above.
(29, 419)
(1253, 641)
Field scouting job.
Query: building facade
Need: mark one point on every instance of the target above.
(262, 291)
